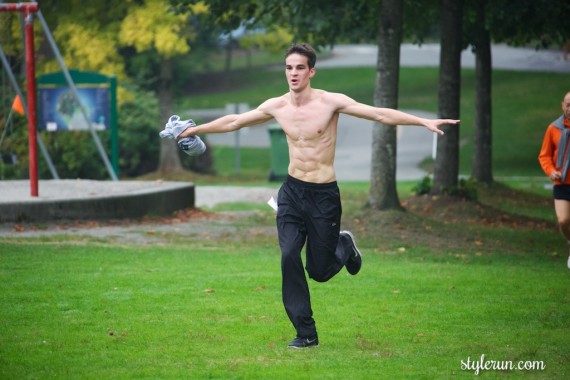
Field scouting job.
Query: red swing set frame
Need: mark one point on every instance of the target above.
(29, 9)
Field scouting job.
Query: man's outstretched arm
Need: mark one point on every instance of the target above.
(229, 123)
(390, 116)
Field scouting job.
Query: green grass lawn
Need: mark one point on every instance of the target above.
(436, 289)
(211, 310)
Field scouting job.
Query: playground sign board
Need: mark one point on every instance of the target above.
(58, 109)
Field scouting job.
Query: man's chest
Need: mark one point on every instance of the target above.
(307, 123)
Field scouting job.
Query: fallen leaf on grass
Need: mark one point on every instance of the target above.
(209, 291)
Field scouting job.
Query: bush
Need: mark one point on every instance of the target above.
(139, 144)
(14, 152)
(466, 189)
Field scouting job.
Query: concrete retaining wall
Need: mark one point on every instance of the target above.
(159, 201)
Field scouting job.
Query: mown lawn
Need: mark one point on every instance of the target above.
(441, 284)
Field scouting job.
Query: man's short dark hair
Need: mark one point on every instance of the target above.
(305, 50)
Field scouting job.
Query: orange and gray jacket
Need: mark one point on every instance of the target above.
(555, 152)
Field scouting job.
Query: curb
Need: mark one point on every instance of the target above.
(155, 201)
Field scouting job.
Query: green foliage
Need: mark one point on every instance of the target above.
(423, 187)
(74, 155)
(466, 188)
(13, 151)
(138, 135)
(544, 23)
(150, 26)
(321, 23)
(275, 40)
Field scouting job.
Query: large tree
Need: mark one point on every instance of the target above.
(482, 160)
(446, 169)
(383, 194)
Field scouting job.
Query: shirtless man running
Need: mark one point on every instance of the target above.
(309, 206)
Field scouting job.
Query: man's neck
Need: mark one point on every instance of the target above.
(301, 97)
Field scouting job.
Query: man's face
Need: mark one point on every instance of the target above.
(297, 72)
(566, 106)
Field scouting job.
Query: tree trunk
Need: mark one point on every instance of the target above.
(383, 194)
(229, 53)
(169, 157)
(446, 169)
(482, 161)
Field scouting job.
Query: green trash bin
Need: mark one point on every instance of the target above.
(279, 153)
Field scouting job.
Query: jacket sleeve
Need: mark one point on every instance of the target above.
(546, 157)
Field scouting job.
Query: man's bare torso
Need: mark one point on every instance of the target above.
(311, 130)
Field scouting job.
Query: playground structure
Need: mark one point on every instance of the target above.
(74, 199)
(29, 10)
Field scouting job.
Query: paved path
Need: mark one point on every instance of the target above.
(503, 57)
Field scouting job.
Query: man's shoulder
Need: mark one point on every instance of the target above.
(331, 96)
(322, 92)
(277, 101)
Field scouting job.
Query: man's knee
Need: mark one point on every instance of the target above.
(319, 277)
(322, 272)
(291, 257)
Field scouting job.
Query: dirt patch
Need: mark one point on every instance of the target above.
(442, 223)
(182, 216)
(445, 224)
(447, 209)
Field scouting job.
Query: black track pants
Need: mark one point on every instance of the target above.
(311, 213)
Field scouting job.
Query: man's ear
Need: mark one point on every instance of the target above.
(312, 72)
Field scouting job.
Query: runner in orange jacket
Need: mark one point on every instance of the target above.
(554, 159)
